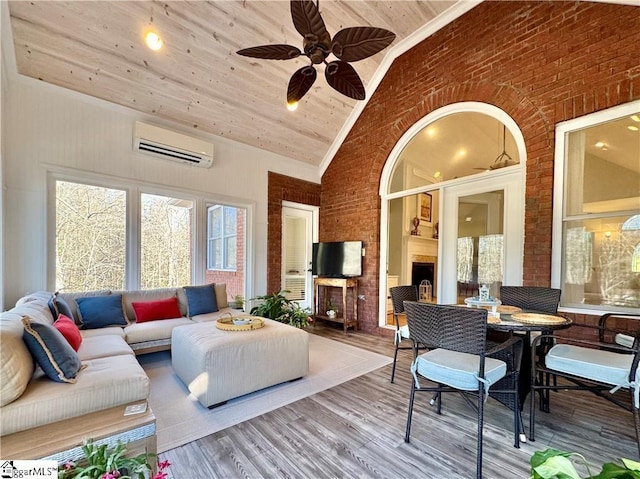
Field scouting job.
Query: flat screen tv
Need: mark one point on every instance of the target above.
(340, 259)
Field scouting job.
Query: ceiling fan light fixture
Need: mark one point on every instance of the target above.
(348, 45)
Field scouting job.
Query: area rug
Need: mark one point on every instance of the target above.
(180, 418)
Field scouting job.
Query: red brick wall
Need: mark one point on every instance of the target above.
(283, 188)
(541, 62)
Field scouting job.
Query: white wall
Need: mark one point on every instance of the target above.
(47, 127)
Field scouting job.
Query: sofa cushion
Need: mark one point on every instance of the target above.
(201, 299)
(16, 363)
(59, 306)
(94, 347)
(104, 383)
(153, 330)
(221, 295)
(71, 298)
(36, 309)
(129, 297)
(108, 331)
(51, 351)
(101, 311)
(156, 310)
(69, 330)
(36, 296)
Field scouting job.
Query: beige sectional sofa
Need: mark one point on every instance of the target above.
(110, 376)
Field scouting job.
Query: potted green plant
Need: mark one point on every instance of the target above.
(278, 307)
(556, 464)
(238, 302)
(103, 462)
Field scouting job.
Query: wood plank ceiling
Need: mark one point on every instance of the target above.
(197, 79)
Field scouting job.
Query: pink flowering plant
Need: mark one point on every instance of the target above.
(102, 462)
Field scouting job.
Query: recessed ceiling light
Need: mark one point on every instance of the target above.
(431, 131)
(635, 118)
(600, 144)
(153, 40)
(468, 218)
(436, 174)
(632, 128)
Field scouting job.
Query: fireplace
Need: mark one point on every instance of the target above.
(421, 270)
(420, 261)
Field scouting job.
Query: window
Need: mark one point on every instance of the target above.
(90, 242)
(165, 241)
(222, 234)
(108, 235)
(598, 186)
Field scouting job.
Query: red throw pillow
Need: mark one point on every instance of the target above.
(153, 310)
(69, 330)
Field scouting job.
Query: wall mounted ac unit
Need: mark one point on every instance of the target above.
(161, 143)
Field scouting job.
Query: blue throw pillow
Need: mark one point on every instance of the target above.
(59, 306)
(101, 311)
(51, 351)
(201, 299)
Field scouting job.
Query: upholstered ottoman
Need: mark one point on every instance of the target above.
(219, 365)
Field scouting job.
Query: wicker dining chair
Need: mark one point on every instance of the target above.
(531, 298)
(459, 362)
(400, 294)
(603, 367)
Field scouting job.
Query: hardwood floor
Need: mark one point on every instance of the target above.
(356, 430)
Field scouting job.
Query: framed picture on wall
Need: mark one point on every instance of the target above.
(424, 207)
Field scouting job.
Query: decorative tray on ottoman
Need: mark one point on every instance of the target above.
(240, 323)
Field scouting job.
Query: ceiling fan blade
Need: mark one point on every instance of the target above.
(271, 52)
(356, 43)
(300, 83)
(307, 20)
(343, 78)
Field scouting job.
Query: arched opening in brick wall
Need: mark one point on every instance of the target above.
(457, 172)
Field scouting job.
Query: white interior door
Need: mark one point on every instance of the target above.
(299, 231)
(501, 199)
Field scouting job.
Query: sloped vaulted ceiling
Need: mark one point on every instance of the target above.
(197, 79)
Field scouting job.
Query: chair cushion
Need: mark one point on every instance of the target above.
(603, 366)
(404, 332)
(458, 370)
(624, 340)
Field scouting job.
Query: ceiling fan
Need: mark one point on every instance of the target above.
(348, 45)
(503, 159)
